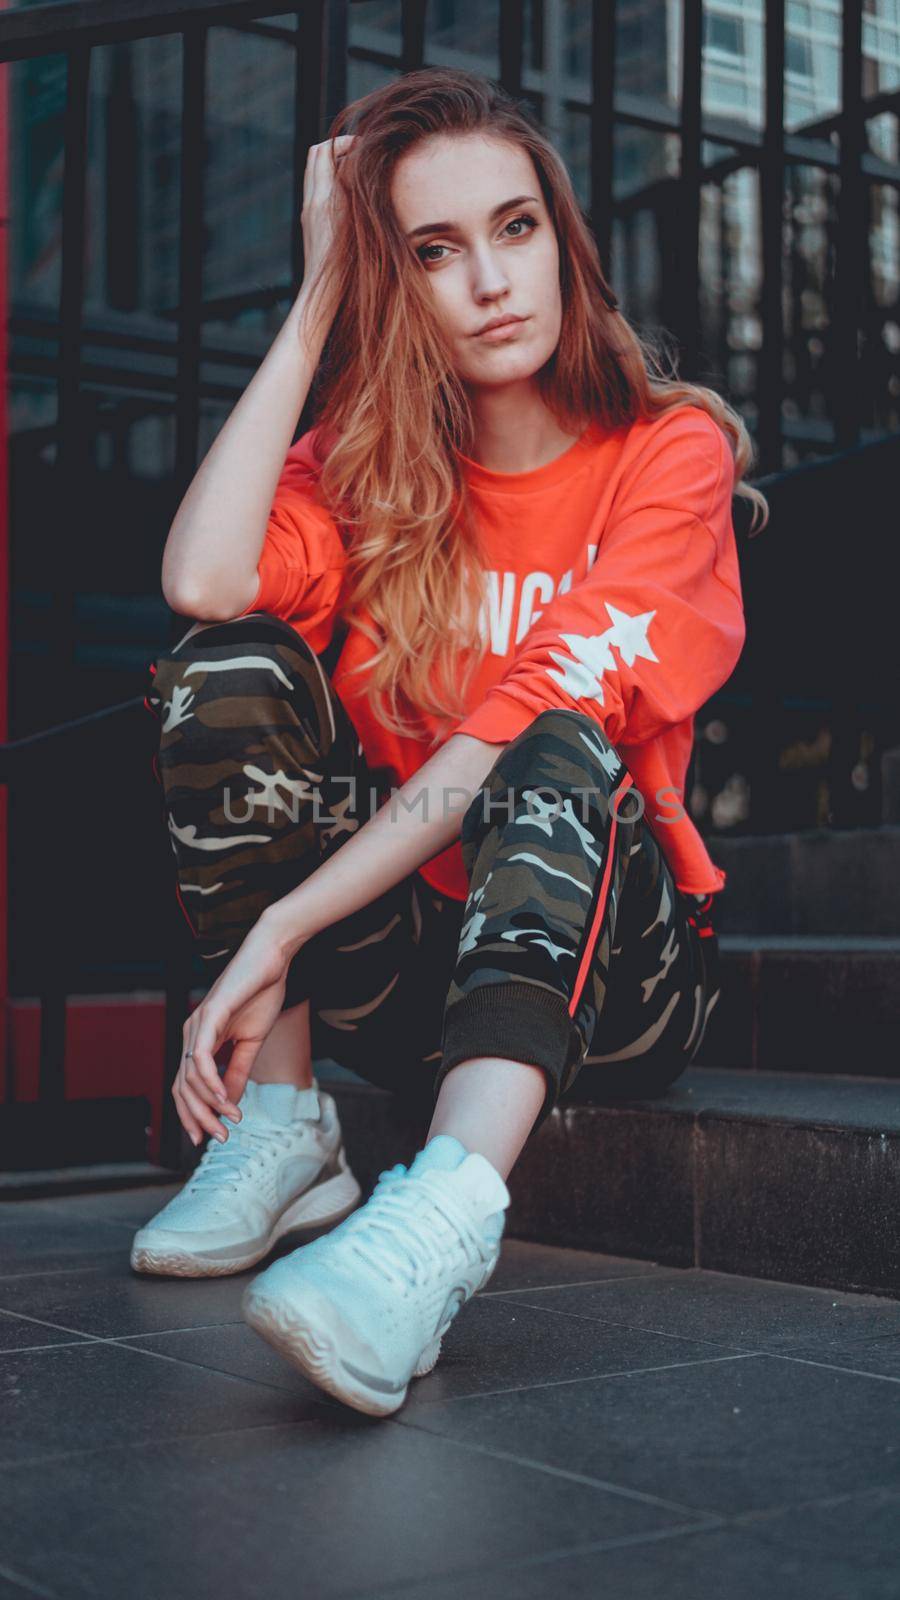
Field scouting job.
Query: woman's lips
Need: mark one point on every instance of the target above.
(494, 335)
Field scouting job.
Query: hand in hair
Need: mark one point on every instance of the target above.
(321, 200)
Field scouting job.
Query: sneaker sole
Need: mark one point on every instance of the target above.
(309, 1339)
(328, 1203)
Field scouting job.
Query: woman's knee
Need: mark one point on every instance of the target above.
(243, 633)
(568, 744)
(561, 759)
(627, 1080)
(233, 665)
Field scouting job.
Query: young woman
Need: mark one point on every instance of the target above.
(460, 861)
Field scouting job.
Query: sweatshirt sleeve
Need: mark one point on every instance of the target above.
(657, 624)
(302, 561)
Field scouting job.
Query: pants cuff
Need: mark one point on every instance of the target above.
(519, 1021)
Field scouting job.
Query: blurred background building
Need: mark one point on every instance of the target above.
(738, 160)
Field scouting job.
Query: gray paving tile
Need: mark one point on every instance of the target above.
(21, 1333)
(845, 1551)
(230, 1348)
(493, 1345)
(858, 1534)
(524, 1265)
(84, 1397)
(22, 1590)
(36, 1243)
(47, 1235)
(110, 1299)
(499, 1343)
(724, 1435)
(329, 1507)
(877, 1354)
(755, 1313)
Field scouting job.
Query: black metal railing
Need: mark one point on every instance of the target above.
(45, 767)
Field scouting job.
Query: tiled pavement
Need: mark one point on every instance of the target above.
(596, 1425)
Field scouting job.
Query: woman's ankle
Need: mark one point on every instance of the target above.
(302, 1079)
(286, 1056)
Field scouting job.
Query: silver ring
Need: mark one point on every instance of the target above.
(188, 1055)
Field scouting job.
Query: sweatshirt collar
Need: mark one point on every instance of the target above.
(545, 477)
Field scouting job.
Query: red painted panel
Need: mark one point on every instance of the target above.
(115, 1045)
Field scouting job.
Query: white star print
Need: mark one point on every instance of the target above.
(591, 654)
(575, 678)
(630, 634)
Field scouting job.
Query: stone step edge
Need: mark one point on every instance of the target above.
(839, 944)
(41, 1183)
(787, 1188)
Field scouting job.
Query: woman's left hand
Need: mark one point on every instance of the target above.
(243, 1004)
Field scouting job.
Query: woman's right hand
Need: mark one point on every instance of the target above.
(243, 1005)
(321, 203)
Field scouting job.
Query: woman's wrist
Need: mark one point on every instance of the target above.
(312, 314)
(280, 923)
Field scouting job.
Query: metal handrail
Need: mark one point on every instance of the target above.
(30, 741)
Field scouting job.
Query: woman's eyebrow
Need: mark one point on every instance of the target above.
(453, 227)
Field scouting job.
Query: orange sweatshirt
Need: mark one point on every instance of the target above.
(613, 589)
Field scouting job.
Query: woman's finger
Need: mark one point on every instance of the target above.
(183, 1101)
(203, 1114)
(206, 1080)
(206, 1069)
(206, 1037)
(240, 1066)
(184, 1116)
(198, 1083)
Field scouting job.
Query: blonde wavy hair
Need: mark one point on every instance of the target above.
(392, 412)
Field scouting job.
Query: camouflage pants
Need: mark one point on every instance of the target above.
(573, 951)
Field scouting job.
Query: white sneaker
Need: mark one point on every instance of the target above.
(282, 1167)
(363, 1310)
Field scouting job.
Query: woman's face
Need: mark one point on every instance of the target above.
(493, 252)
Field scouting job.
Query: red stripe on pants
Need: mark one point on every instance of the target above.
(588, 953)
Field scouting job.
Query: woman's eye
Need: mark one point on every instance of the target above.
(529, 221)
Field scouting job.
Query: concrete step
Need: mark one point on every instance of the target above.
(766, 1174)
(40, 1183)
(807, 1004)
(824, 881)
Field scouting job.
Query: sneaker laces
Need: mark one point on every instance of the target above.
(232, 1161)
(396, 1238)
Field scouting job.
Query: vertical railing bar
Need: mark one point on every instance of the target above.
(764, 688)
(536, 41)
(174, 1146)
(851, 259)
(724, 259)
(69, 413)
(509, 46)
(334, 65)
(602, 114)
(307, 117)
(687, 288)
(71, 436)
(770, 372)
(190, 268)
(850, 252)
(412, 25)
